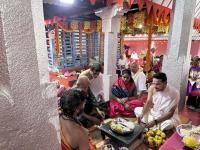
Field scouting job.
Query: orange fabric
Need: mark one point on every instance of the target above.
(148, 56)
(120, 2)
(57, 40)
(90, 45)
(65, 147)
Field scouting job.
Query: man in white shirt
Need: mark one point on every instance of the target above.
(138, 77)
(161, 106)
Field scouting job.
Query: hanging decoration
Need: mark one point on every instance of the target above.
(150, 31)
(54, 20)
(120, 3)
(163, 28)
(99, 26)
(64, 26)
(196, 24)
(130, 2)
(86, 25)
(57, 40)
(74, 25)
(123, 24)
(90, 45)
(130, 20)
(140, 4)
(149, 6)
(139, 18)
(81, 26)
(93, 26)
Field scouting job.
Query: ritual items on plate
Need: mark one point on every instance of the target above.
(122, 126)
(190, 134)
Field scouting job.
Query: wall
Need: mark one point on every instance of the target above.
(28, 109)
(161, 46)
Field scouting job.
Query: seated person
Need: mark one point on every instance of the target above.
(125, 100)
(73, 135)
(93, 113)
(161, 106)
(93, 71)
(138, 77)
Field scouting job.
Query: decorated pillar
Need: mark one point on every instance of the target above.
(111, 27)
(27, 100)
(177, 61)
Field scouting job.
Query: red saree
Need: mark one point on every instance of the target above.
(118, 109)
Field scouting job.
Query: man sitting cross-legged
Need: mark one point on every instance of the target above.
(161, 106)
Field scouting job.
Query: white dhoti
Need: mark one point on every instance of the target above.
(165, 125)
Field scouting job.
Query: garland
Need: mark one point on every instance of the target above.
(57, 40)
(90, 45)
(150, 31)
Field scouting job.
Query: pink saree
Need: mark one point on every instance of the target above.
(118, 109)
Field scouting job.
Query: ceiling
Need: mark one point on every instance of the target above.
(80, 10)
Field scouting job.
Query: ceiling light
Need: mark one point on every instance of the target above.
(67, 1)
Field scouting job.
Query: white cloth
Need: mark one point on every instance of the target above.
(165, 125)
(140, 81)
(163, 102)
(96, 85)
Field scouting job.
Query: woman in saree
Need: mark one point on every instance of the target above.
(193, 89)
(73, 135)
(125, 96)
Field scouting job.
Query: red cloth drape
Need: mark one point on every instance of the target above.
(149, 6)
(120, 2)
(140, 4)
(57, 40)
(92, 2)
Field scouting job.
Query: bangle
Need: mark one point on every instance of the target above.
(156, 122)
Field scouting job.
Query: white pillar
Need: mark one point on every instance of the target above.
(110, 27)
(40, 40)
(26, 112)
(177, 61)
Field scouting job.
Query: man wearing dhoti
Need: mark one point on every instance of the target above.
(161, 107)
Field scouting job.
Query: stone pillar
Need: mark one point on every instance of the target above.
(110, 27)
(40, 40)
(177, 61)
(26, 112)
